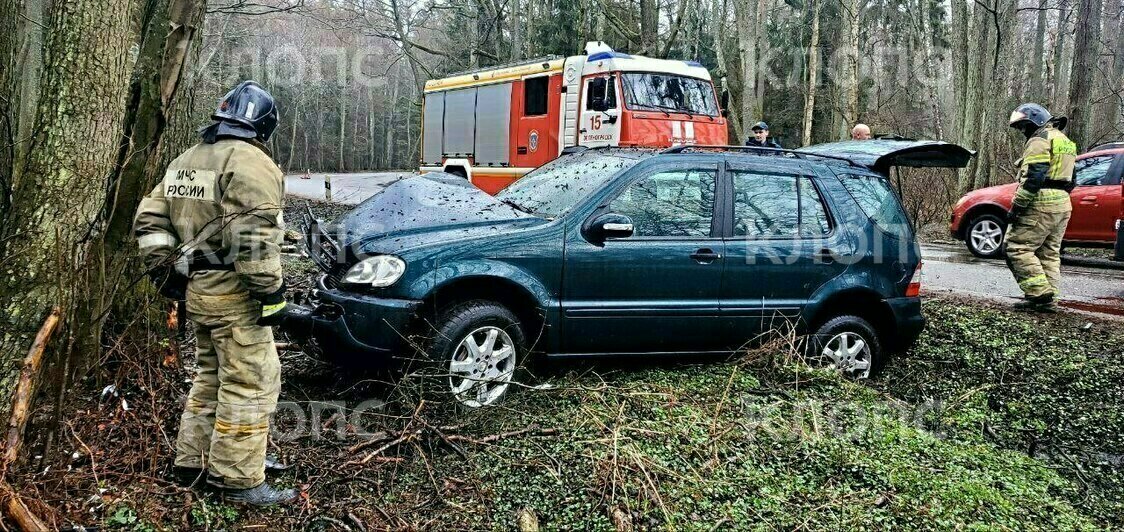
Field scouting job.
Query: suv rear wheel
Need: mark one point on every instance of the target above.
(850, 344)
(984, 236)
(476, 350)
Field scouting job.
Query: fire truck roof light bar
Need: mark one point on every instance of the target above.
(756, 150)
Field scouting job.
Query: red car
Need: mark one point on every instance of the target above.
(979, 218)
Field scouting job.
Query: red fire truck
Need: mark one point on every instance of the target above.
(492, 126)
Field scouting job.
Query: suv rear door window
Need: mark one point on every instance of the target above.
(878, 201)
(672, 203)
(777, 206)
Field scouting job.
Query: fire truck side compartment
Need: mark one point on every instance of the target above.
(493, 124)
(432, 127)
(460, 122)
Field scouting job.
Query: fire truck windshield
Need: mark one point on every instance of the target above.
(667, 92)
(554, 188)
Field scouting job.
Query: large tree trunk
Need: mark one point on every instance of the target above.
(1086, 54)
(1059, 86)
(1038, 65)
(960, 24)
(848, 57)
(1113, 124)
(745, 15)
(649, 27)
(54, 222)
(813, 73)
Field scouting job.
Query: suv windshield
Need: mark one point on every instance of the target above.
(552, 189)
(666, 92)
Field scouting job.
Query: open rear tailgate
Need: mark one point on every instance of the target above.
(882, 154)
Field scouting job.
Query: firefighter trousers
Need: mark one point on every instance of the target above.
(1034, 251)
(225, 423)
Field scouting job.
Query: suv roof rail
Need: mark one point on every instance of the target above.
(757, 150)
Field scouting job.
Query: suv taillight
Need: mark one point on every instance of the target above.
(914, 288)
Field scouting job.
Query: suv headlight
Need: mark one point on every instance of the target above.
(377, 271)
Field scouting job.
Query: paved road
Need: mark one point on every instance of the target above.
(951, 269)
(348, 189)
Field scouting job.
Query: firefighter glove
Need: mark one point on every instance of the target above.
(171, 283)
(272, 307)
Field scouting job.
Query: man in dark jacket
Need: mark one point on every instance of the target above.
(760, 138)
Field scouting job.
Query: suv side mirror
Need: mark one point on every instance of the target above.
(608, 226)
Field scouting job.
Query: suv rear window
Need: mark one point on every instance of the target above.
(879, 202)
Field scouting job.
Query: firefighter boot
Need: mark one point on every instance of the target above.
(261, 495)
(192, 477)
(1043, 304)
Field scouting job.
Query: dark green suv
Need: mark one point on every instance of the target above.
(619, 251)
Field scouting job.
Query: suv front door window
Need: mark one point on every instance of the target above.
(665, 277)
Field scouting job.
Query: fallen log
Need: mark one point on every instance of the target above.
(25, 387)
(14, 507)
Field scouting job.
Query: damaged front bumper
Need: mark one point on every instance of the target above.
(357, 328)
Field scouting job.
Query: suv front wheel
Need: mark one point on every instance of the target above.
(984, 236)
(848, 343)
(476, 351)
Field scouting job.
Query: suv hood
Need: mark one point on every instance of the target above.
(881, 154)
(413, 212)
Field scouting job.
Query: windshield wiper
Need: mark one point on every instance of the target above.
(517, 206)
(666, 108)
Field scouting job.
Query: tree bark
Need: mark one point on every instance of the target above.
(1086, 54)
(1038, 65)
(55, 219)
(745, 15)
(1060, 85)
(813, 73)
(649, 27)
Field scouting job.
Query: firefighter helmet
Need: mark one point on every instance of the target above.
(1029, 113)
(250, 110)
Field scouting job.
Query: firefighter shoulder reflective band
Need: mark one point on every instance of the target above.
(189, 183)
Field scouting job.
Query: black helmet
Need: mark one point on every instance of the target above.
(760, 125)
(247, 111)
(1029, 113)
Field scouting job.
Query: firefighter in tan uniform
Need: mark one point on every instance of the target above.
(211, 231)
(1041, 209)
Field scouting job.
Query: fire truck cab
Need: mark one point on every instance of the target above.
(492, 126)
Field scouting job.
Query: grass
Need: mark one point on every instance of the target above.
(995, 420)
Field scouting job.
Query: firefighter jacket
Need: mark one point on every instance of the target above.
(217, 210)
(1046, 171)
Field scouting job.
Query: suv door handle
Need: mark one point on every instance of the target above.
(1089, 200)
(705, 256)
(825, 256)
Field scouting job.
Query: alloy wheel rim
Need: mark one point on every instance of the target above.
(986, 236)
(482, 366)
(849, 353)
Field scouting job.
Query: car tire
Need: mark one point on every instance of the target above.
(473, 379)
(981, 238)
(850, 344)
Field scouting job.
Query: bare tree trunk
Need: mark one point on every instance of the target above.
(849, 62)
(813, 73)
(1086, 53)
(745, 15)
(1060, 86)
(1115, 122)
(649, 26)
(960, 23)
(343, 128)
(1038, 65)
